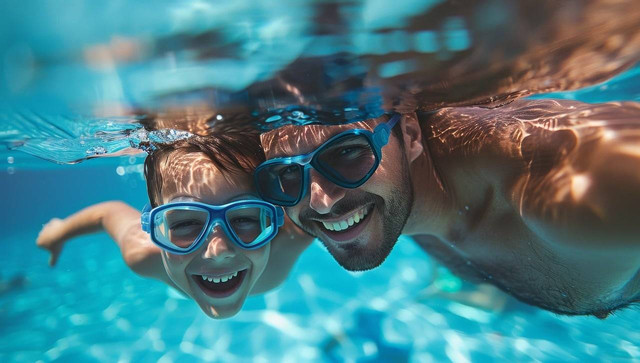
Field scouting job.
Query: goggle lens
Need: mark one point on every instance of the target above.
(281, 183)
(250, 224)
(347, 159)
(180, 227)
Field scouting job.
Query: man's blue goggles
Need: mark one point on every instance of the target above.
(347, 159)
(181, 227)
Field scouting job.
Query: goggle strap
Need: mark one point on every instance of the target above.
(279, 216)
(145, 217)
(382, 131)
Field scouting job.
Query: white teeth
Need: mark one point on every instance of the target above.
(346, 223)
(219, 279)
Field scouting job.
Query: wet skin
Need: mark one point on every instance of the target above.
(538, 198)
(192, 177)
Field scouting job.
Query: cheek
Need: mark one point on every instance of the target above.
(175, 264)
(392, 161)
(294, 211)
(259, 258)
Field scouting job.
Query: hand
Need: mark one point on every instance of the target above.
(52, 238)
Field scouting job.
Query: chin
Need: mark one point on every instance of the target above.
(358, 257)
(220, 312)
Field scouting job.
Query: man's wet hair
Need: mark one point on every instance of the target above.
(231, 150)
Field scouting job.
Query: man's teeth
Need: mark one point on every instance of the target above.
(347, 222)
(218, 279)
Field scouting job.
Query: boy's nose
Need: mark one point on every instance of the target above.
(324, 193)
(218, 245)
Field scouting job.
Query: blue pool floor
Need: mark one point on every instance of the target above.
(92, 308)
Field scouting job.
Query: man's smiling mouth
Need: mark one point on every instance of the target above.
(348, 221)
(348, 226)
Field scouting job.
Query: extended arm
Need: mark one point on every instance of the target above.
(121, 222)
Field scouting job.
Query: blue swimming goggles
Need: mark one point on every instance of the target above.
(181, 227)
(347, 159)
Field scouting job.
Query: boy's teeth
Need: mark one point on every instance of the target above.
(346, 223)
(220, 278)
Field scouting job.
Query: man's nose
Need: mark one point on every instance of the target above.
(218, 246)
(324, 193)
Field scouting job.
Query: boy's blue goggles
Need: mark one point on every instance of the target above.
(347, 159)
(181, 227)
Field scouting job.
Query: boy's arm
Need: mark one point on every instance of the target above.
(121, 222)
(286, 247)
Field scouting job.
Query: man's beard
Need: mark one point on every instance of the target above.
(395, 211)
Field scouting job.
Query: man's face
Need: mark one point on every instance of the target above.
(358, 226)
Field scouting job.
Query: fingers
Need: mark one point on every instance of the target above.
(49, 239)
(53, 259)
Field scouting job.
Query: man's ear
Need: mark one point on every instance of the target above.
(412, 136)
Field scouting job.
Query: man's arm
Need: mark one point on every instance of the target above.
(121, 222)
(582, 186)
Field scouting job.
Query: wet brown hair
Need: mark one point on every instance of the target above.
(231, 151)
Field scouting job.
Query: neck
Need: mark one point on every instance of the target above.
(433, 209)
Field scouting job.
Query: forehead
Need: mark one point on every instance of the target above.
(193, 174)
(295, 140)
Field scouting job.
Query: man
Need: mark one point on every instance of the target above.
(539, 198)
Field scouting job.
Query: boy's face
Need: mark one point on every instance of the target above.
(382, 204)
(193, 177)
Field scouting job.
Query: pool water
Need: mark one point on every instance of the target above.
(76, 78)
(91, 308)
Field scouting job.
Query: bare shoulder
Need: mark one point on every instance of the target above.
(534, 136)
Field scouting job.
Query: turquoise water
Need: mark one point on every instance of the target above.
(76, 78)
(91, 308)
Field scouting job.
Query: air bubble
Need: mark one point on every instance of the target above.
(96, 150)
(219, 117)
(11, 170)
(10, 159)
(120, 170)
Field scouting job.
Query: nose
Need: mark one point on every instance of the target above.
(218, 246)
(324, 193)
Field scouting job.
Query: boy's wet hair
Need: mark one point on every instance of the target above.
(231, 150)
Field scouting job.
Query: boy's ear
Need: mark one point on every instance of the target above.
(412, 136)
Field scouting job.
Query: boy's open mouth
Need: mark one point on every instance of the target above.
(220, 286)
(348, 227)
